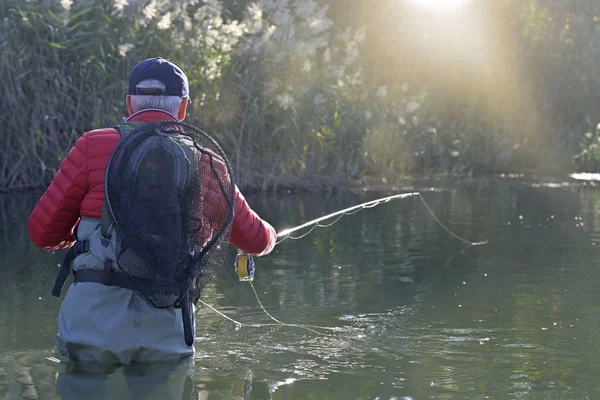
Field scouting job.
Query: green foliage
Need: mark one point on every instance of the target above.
(278, 109)
(62, 74)
(518, 97)
(298, 100)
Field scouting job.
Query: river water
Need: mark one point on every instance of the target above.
(417, 313)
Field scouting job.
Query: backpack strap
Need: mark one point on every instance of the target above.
(83, 246)
(106, 228)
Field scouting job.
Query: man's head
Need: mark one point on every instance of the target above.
(158, 83)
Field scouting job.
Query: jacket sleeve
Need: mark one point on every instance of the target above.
(249, 232)
(52, 223)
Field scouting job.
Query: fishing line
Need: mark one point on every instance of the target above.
(307, 327)
(448, 230)
(221, 314)
(245, 268)
(278, 322)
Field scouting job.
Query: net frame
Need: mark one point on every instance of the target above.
(196, 135)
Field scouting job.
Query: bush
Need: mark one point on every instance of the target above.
(278, 88)
(276, 82)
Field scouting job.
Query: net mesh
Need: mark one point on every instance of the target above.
(170, 196)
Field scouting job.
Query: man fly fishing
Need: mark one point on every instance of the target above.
(145, 209)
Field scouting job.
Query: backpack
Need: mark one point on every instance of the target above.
(169, 198)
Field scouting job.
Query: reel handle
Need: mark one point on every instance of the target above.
(244, 267)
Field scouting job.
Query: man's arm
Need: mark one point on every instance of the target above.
(53, 219)
(249, 232)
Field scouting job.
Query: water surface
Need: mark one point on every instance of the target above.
(418, 314)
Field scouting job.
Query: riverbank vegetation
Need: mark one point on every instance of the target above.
(306, 94)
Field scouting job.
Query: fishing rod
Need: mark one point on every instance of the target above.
(244, 263)
(245, 267)
(286, 233)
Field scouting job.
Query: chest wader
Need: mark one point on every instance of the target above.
(107, 276)
(165, 249)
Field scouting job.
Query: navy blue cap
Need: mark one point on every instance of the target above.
(168, 73)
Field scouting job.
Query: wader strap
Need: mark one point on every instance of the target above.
(99, 276)
(105, 226)
(78, 248)
(63, 273)
(107, 273)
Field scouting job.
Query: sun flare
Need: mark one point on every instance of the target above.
(440, 5)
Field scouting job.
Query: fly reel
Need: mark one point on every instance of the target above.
(244, 267)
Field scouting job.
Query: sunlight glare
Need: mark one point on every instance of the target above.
(440, 5)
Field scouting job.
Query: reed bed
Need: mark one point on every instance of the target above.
(278, 84)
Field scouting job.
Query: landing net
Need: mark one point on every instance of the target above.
(170, 194)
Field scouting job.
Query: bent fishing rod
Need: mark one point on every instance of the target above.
(244, 263)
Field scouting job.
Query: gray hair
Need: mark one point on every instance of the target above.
(169, 104)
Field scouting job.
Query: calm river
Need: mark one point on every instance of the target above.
(417, 314)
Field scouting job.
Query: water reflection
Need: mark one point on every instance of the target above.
(155, 381)
(418, 314)
(26, 375)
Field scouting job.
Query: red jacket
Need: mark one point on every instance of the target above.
(78, 190)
